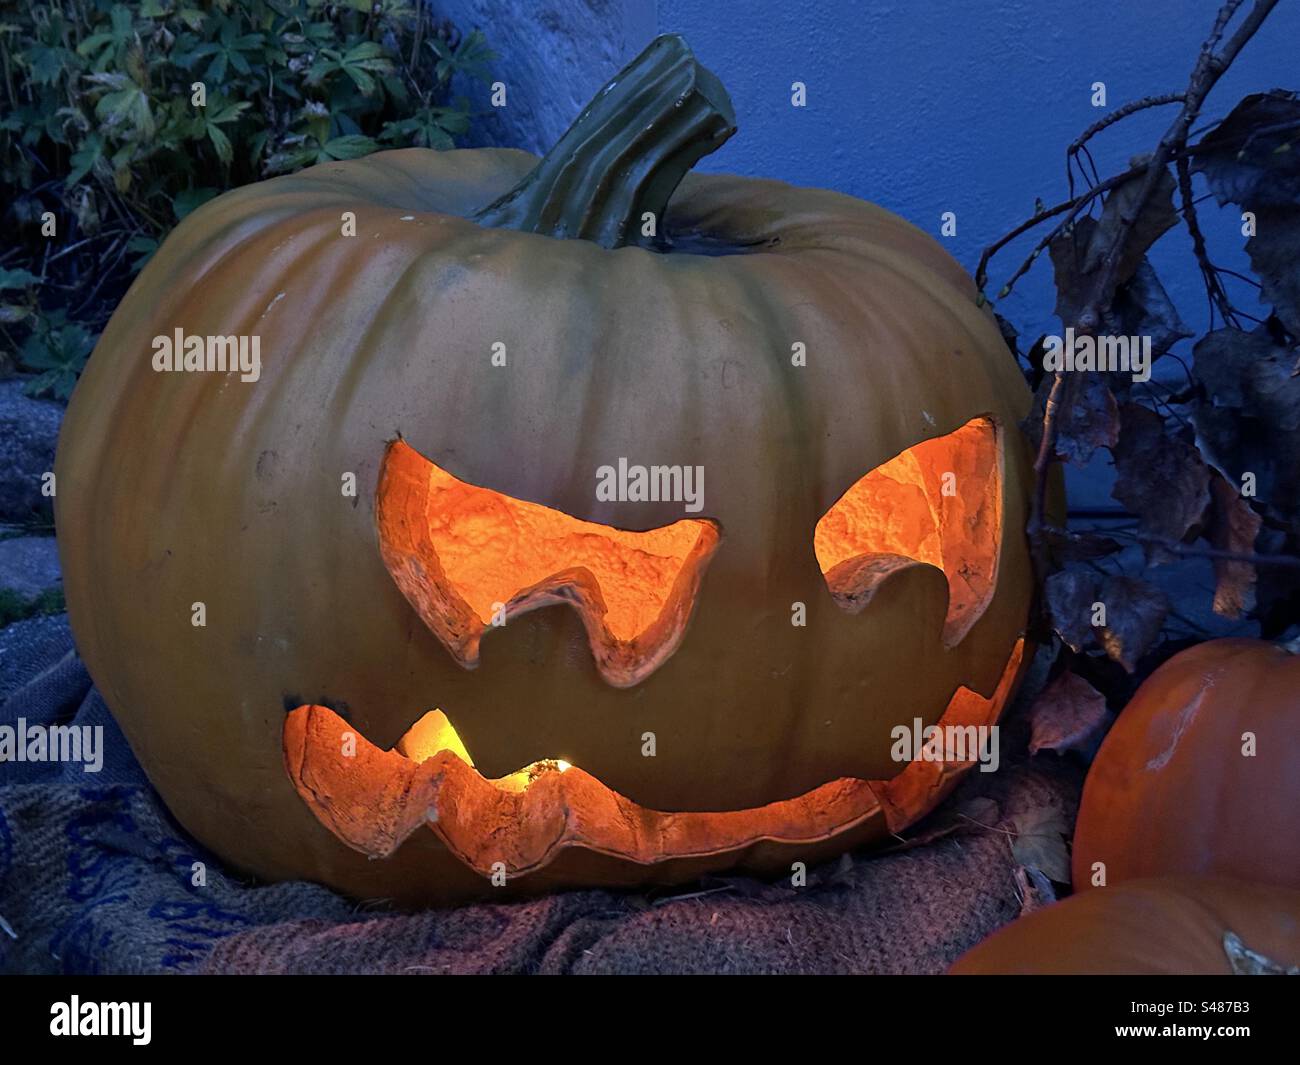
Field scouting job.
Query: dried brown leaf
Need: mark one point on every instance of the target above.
(1252, 156)
(1156, 218)
(1070, 715)
(1135, 612)
(1274, 251)
(1233, 527)
(1142, 308)
(1070, 595)
(1252, 423)
(1160, 477)
(1039, 843)
(1088, 416)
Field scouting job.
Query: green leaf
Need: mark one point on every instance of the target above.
(142, 247)
(222, 112)
(45, 63)
(453, 121)
(127, 113)
(221, 143)
(349, 147)
(363, 51)
(189, 200)
(16, 279)
(217, 68)
(93, 43)
(360, 79)
(84, 158)
(59, 382)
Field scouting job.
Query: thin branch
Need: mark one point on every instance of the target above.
(1176, 547)
(1039, 548)
(1073, 205)
(1119, 113)
(1196, 551)
(1213, 286)
(1190, 151)
(1210, 66)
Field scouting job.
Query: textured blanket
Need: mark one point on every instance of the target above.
(96, 877)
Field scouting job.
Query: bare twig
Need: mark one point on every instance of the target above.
(1087, 196)
(1213, 286)
(1196, 551)
(1072, 205)
(1183, 550)
(1130, 108)
(1042, 464)
(1210, 65)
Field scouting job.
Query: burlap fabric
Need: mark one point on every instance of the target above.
(96, 877)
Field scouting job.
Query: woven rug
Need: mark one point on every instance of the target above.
(95, 876)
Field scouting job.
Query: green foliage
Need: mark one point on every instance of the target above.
(17, 607)
(100, 126)
(57, 348)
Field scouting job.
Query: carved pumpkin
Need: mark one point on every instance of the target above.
(1169, 926)
(1201, 772)
(723, 681)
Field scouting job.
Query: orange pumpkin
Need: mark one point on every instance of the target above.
(685, 688)
(1200, 773)
(1175, 925)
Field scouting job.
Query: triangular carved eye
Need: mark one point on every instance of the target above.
(939, 503)
(462, 555)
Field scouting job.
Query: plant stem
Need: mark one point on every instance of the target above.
(625, 155)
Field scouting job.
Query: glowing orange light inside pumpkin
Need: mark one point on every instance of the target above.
(464, 556)
(374, 799)
(939, 504)
(457, 550)
(490, 546)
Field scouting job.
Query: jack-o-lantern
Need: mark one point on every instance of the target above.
(703, 519)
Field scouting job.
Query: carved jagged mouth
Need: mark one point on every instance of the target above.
(373, 800)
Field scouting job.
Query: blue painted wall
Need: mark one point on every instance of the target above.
(926, 106)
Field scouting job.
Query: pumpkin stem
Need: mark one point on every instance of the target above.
(625, 155)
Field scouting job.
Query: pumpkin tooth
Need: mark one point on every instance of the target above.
(432, 733)
(467, 558)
